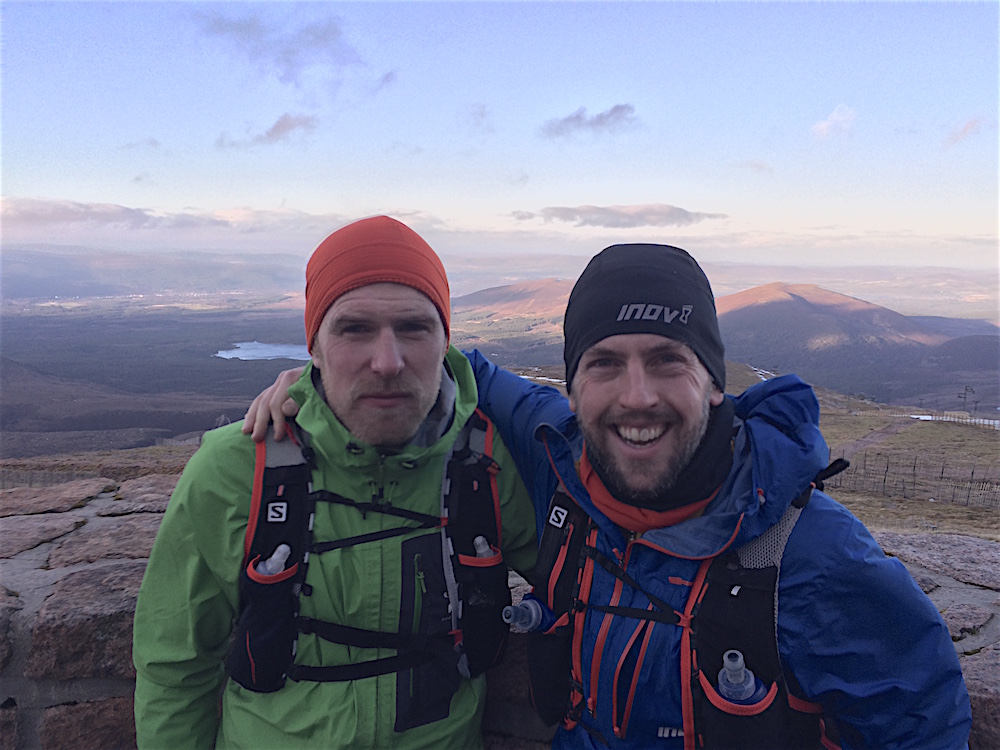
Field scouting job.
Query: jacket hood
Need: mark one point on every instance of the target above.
(787, 450)
(777, 452)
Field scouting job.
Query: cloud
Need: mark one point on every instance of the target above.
(619, 217)
(756, 166)
(619, 117)
(387, 80)
(970, 128)
(283, 128)
(480, 119)
(45, 216)
(147, 143)
(280, 50)
(38, 213)
(839, 121)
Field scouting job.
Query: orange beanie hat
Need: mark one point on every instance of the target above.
(373, 251)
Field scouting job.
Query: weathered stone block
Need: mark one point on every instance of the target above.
(925, 582)
(509, 720)
(127, 508)
(84, 627)
(95, 725)
(8, 724)
(129, 538)
(964, 558)
(21, 501)
(965, 619)
(149, 487)
(9, 604)
(20, 533)
(981, 672)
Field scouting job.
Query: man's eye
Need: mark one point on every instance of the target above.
(413, 328)
(602, 363)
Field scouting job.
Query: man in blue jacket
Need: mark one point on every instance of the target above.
(705, 534)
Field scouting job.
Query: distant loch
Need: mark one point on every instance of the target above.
(255, 350)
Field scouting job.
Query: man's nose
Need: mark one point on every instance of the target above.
(638, 390)
(387, 357)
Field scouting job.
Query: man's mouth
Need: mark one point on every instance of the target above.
(640, 435)
(386, 398)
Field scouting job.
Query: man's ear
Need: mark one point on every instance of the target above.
(716, 397)
(572, 403)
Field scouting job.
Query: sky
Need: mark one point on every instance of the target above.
(834, 133)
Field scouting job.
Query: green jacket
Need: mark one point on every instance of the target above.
(189, 595)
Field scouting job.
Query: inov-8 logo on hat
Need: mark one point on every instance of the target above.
(647, 311)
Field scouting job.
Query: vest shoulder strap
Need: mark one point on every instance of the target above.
(279, 503)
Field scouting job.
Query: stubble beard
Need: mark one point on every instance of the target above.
(393, 429)
(616, 477)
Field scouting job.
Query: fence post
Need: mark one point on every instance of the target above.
(972, 478)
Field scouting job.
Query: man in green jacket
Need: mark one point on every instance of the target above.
(383, 405)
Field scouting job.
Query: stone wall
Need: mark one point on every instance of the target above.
(72, 557)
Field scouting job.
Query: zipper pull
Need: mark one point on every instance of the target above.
(420, 572)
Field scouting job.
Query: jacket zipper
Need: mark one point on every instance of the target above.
(378, 485)
(419, 589)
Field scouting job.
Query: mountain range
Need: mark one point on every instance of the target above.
(120, 370)
(834, 340)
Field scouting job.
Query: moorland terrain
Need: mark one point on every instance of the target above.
(111, 350)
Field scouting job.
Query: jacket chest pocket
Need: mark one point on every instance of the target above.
(424, 691)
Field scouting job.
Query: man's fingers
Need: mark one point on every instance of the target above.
(272, 405)
(258, 416)
(251, 414)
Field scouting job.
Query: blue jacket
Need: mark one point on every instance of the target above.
(854, 629)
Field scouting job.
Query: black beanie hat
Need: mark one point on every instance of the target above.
(644, 289)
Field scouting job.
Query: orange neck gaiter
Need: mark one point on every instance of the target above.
(630, 517)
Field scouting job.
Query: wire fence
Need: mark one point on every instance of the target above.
(935, 416)
(969, 484)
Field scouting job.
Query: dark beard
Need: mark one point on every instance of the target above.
(616, 482)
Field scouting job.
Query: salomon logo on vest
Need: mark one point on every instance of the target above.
(557, 516)
(645, 311)
(277, 512)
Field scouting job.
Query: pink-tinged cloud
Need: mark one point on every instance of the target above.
(619, 217)
(387, 80)
(840, 121)
(30, 218)
(285, 126)
(38, 213)
(619, 117)
(969, 129)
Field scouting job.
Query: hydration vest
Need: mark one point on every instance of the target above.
(732, 604)
(450, 623)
